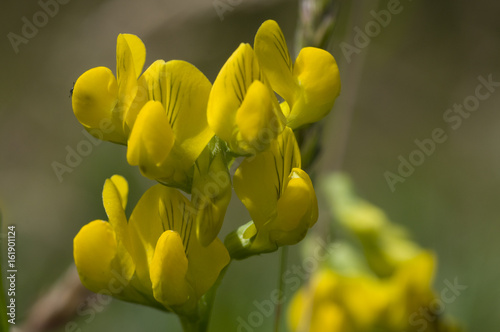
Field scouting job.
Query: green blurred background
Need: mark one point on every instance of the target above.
(394, 91)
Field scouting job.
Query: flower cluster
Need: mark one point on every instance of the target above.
(185, 133)
(387, 287)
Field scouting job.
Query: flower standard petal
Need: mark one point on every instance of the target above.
(146, 228)
(130, 56)
(272, 52)
(242, 92)
(183, 91)
(114, 197)
(121, 186)
(229, 90)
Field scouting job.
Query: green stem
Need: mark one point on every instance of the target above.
(281, 287)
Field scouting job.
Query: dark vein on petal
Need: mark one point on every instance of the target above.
(172, 121)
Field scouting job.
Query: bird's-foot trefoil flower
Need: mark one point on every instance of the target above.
(309, 86)
(171, 130)
(279, 197)
(156, 255)
(106, 106)
(242, 108)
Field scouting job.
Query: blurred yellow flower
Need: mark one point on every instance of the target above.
(364, 303)
(389, 288)
(155, 258)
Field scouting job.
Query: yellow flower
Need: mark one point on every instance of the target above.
(156, 258)
(171, 130)
(106, 106)
(385, 244)
(389, 290)
(279, 196)
(337, 303)
(309, 87)
(242, 108)
(361, 302)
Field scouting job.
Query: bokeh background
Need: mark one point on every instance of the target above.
(395, 90)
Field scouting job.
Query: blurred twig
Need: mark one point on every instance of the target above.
(58, 306)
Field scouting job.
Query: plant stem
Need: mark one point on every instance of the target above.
(281, 287)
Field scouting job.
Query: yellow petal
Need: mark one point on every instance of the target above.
(168, 270)
(130, 58)
(329, 317)
(186, 95)
(297, 210)
(260, 181)
(94, 252)
(257, 120)
(121, 186)
(113, 200)
(114, 196)
(230, 91)
(151, 139)
(160, 208)
(95, 96)
(365, 298)
(130, 55)
(272, 52)
(183, 90)
(205, 264)
(319, 81)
